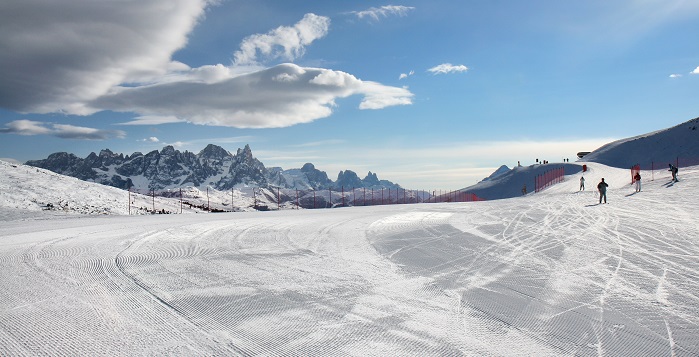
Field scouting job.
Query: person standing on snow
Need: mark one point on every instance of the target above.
(637, 180)
(673, 169)
(602, 188)
(582, 184)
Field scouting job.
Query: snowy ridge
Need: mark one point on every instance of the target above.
(660, 147)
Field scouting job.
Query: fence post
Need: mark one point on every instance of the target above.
(181, 201)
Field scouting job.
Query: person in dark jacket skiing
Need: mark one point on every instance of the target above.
(637, 180)
(582, 184)
(673, 169)
(602, 188)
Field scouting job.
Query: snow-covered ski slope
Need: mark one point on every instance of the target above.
(547, 274)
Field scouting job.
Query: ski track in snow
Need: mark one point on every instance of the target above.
(547, 274)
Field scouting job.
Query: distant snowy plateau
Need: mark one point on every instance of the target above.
(551, 273)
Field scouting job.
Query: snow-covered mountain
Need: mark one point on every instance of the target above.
(657, 148)
(213, 167)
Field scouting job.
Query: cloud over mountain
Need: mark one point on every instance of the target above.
(64, 131)
(280, 96)
(82, 57)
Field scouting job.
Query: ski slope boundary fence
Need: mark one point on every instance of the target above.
(549, 178)
(273, 198)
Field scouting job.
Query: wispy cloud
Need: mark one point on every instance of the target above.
(695, 71)
(285, 42)
(405, 75)
(30, 127)
(153, 120)
(675, 75)
(375, 13)
(445, 68)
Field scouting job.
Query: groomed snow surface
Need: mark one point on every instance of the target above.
(548, 274)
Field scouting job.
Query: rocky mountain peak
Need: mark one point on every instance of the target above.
(348, 179)
(168, 150)
(216, 152)
(245, 154)
(308, 167)
(105, 153)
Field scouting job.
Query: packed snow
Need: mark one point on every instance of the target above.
(546, 274)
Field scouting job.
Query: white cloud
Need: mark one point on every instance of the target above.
(378, 96)
(285, 42)
(30, 127)
(151, 139)
(81, 57)
(405, 75)
(25, 127)
(675, 75)
(59, 54)
(695, 71)
(153, 120)
(254, 100)
(445, 68)
(375, 13)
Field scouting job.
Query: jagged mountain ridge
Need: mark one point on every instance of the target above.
(212, 167)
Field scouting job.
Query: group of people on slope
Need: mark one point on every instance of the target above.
(602, 186)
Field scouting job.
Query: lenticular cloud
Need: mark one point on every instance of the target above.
(279, 96)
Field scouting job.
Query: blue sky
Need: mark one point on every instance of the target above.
(428, 94)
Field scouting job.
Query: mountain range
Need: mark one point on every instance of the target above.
(212, 167)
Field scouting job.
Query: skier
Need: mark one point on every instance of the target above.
(602, 187)
(637, 180)
(582, 184)
(673, 169)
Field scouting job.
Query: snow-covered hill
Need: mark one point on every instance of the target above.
(547, 274)
(31, 191)
(657, 148)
